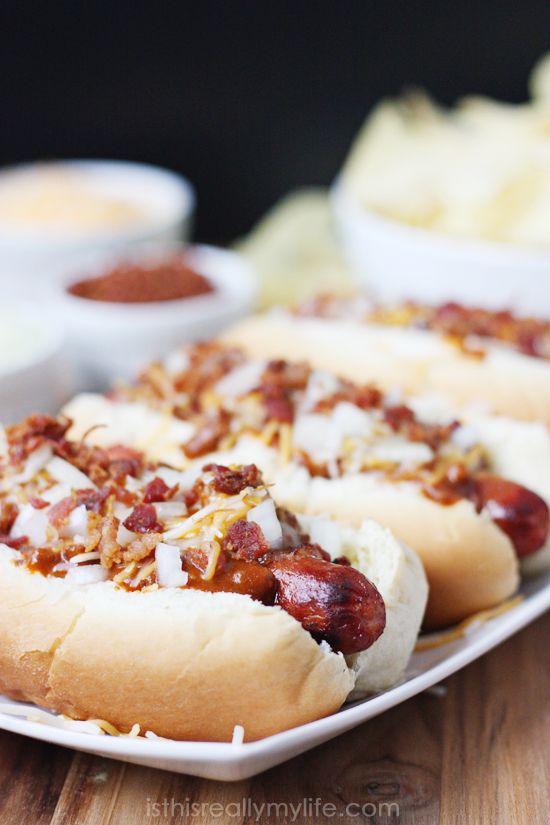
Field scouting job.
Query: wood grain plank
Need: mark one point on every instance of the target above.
(90, 791)
(497, 735)
(31, 779)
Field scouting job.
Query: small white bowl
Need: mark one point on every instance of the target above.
(115, 340)
(37, 375)
(166, 199)
(397, 262)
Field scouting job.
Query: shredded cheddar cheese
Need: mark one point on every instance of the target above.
(126, 573)
(285, 442)
(145, 571)
(269, 431)
(459, 631)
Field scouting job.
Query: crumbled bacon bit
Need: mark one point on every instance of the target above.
(28, 435)
(245, 540)
(124, 461)
(108, 547)
(141, 547)
(342, 560)
(397, 416)
(208, 363)
(314, 468)
(143, 519)
(293, 535)
(199, 558)
(431, 434)
(37, 502)
(314, 551)
(14, 543)
(279, 380)
(102, 465)
(93, 500)
(60, 511)
(279, 406)
(194, 496)
(290, 376)
(8, 513)
(156, 490)
(364, 397)
(123, 495)
(208, 435)
(232, 481)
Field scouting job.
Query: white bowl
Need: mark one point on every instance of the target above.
(36, 377)
(167, 201)
(115, 340)
(396, 262)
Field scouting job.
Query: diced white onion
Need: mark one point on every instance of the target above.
(464, 437)
(31, 523)
(133, 484)
(399, 451)
(265, 516)
(349, 420)
(170, 509)
(77, 523)
(88, 574)
(241, 380)
(172, 477)
(320, 385)
(169, 571)
(125, 536)
(56, 493)
(66, 473)
(121, 511)
(315, 434)
(34, 463)
(177, 361)
(393, 397)
(327, 534)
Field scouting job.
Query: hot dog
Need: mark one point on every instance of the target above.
(331, 446)
(186, 602)
(469, 354)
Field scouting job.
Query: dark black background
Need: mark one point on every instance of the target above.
(249, 99)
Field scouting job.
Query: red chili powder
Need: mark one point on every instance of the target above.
(168, 280)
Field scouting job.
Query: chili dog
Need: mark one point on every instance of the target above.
(471, 355)
(186, 602)
(448, 489)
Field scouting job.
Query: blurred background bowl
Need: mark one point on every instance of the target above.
(110, 340)
(35, 373)
(159, 203)
(395, 261)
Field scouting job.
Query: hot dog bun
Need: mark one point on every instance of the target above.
(470, 562)
(176, 662)
(191, 665)
(417, 361)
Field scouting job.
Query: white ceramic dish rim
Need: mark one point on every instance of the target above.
(237, 290)
(228, 761)
(182, 194)
(460, 248)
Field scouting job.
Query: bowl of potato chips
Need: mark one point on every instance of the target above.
(437, 204)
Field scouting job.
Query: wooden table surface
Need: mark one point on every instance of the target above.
(476, 754)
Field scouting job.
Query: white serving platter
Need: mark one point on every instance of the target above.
(231, 762)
